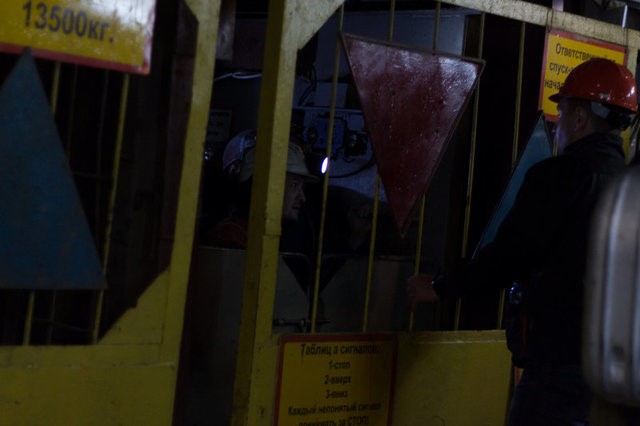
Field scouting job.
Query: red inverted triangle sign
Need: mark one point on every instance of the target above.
(412, 101)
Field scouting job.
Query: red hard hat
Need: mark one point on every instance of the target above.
(601, 80)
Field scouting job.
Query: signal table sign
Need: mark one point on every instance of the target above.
(562, 53)
(336, 380)
(112, 34)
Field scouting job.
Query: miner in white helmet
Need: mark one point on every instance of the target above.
(232, 231)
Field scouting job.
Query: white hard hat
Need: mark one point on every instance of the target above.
(295, 164)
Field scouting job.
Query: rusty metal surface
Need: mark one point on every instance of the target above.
(45, 242)
(412, 101)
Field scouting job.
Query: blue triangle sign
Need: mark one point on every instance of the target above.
(45, 241)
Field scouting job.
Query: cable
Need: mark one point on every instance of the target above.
(238, 75)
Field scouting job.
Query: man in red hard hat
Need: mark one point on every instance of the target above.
(605, 90)
(540, 249)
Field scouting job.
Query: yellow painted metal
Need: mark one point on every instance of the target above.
(115, 170)
(145, 324)
(472, 154)
(540, 15)
(129, 377)
(325, 180)
(436, 31)
(254, 368)
(392, 20)
(112, 200)
(372, 248)
(55, 87)
(207, 13)
(376, 205)
(436, 25)
(416, 265)
(452, 378)
(71, 110)
(306, 17)
(514, 150)
(472, 161)
(290, 24)
(114, 34)
(28, 321)
(134, 394)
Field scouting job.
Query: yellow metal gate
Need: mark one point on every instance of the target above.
(451, 368)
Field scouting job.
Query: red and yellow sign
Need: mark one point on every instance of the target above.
(113, 34)
(562, 53)
(336, 380)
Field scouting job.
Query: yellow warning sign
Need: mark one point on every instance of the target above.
(113, 34)
(336, 380)
(563, 52)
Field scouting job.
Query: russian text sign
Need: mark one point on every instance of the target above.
(562, 53)
(336, 380)
(113, 34)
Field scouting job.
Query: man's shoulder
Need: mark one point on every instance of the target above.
(601, 157)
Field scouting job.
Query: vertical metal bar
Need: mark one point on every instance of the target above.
(472, 158)
(290, 24)
(518, 106)
(99, 184)
(26, 337)
(99, 150)
(372, 248)
(325, 180)
(436, 25)
(416, 266)
(72, 106)
(112, 200)
(392, 20)
(514, 152)
(376, 196)
(55, 87)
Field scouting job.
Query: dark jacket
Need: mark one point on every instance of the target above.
(542, 245)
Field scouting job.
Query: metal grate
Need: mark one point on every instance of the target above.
(85, 104)
(123, 136)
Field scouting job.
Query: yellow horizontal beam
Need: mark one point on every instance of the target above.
(544, 16)
(540, 15)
